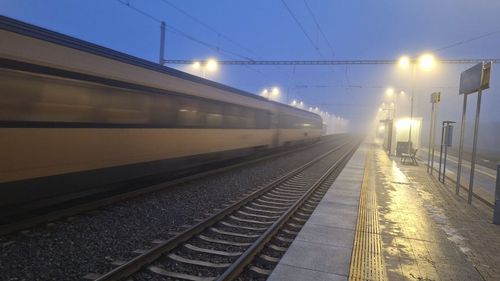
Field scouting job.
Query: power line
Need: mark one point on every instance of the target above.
(319, 28)
(329, 62)
(302, 28)
(182, 33)
(208, 27)
(151, 17)
(468, 40)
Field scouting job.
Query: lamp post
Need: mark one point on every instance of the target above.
(425, 62)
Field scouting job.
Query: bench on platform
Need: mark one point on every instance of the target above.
(411, 156)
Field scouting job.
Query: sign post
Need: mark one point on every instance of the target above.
(435, 98)
(474, 79)
(446, 141)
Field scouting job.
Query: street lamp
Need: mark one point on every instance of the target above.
(404, 62)
(426, 62)
(272, 94)
(389, 92)
(210, 65)
(297, 103)
(275, 92)
(265, 93)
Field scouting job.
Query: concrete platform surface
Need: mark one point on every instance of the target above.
(381, 220)
(322, 249)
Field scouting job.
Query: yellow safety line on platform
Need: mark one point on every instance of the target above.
(367, 262)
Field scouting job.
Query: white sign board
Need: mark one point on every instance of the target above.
(436, 97)
(475, 78)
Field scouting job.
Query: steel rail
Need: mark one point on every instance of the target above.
(128, 268)
(239, 265)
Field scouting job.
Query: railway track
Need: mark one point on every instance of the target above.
(245, 239)
(57, 212)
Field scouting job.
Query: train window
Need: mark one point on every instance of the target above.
(287, 121)
(189, 114)
(262, 119)
(232, 118)
(163, 110)
(248, 118)
(213, 115)
(30, 97)
(38, 99)
(123, 107)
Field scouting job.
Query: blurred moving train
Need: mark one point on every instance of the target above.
(75, 117)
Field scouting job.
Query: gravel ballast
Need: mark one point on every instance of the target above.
(89, 243)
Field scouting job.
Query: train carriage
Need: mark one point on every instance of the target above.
(75, 117)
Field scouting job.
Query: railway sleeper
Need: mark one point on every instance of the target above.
(250, 221)
(269, 206)
(211, 251)
(178, 258)
(216, 230)
(176, 275)
(257, 216)
(262, 211)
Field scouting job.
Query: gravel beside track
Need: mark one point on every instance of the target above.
(89, 243)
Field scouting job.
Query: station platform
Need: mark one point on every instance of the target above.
(381, 220)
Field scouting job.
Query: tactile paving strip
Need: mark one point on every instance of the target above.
(367, 262)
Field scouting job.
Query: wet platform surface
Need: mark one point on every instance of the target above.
(322, 250)
(385, 221)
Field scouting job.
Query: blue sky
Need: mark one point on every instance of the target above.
(264, 29)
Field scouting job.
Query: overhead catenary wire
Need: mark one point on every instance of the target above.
(302, 28)
(187, 36)
(207, 26)
(182, 33)
(319, 28)
(468, 40)
(220, 34)
(212, 29)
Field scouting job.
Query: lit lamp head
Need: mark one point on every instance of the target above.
(196, 65)
(426, 62)
(212, 65)
(265, 93)
(404, 62)
(389, 92)
(275, 92)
